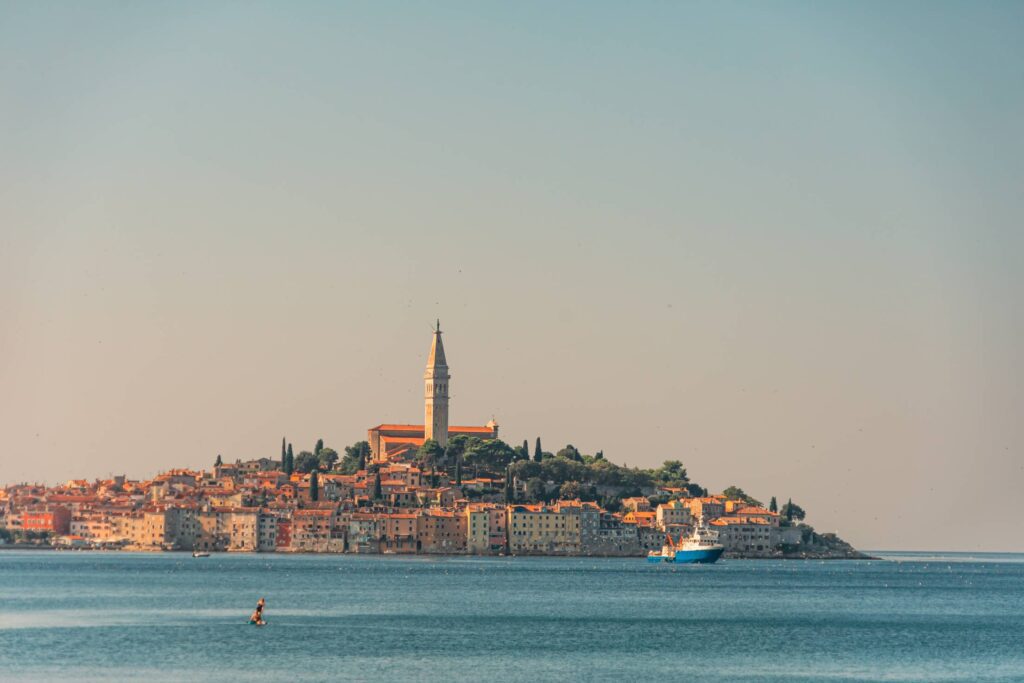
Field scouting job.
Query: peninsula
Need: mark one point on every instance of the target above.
(430, 488)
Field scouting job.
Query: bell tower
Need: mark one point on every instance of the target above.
(435, 380)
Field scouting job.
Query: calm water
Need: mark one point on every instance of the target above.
(90, 616)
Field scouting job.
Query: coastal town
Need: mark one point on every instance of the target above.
(408, 489)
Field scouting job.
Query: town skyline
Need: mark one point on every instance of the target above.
(777, 244)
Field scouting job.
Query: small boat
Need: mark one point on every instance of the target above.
(200, 553)
(702, 547)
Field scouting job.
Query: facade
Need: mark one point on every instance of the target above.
(485, 528)
(672, 516)
(51, 519)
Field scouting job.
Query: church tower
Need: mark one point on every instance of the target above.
(435, 380)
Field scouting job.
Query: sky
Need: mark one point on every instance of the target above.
(780, 242)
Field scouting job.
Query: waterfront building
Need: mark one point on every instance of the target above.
(671, 516)
(441, 531)
(485, 528)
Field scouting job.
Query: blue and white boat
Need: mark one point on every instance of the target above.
(702, 547)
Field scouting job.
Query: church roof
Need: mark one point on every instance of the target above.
(418, 429)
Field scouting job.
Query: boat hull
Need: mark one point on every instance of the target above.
(699, 556)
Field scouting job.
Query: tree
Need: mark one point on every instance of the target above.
(570, 452)
(284, 453)
(793, 511)
(430, 453)
(535, 489)
(570, 490)
(538, 454)
(736, 493)
(599, 455)
(318, 447)
(672, 473)
(218, 462)
(377, 494)
(458, 471)
(524, 450)
(509, 489)
(492, 453)
(355, 457)
(289, 461)
(328, 457)
(314, 486)
(773, 506)
(306, 462)
(357, 449)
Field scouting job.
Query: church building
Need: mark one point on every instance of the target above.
(399, 441)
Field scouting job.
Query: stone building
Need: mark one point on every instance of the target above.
(394, 441)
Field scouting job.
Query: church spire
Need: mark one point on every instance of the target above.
(436, 358)
(435, 381)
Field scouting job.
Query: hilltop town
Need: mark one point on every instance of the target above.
(430, 488)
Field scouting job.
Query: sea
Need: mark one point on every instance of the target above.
(110, 616)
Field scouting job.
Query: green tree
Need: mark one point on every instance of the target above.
(736, 493)
(793, 511)
(773, 505)
(509, 488)
(535, 491)
(570, 452)
(458, 471)
(306, 462)
(327, 457)
(538, 454)
(491, 453)
(218, 462)
(318, 447)
(570, 490)
(355, 457)
(524, 450)
(599, 455)
(314, 486)
(284, 452)
(289, 461)
(377, 493)
(359, 448)
(671, 473)
(430, 453)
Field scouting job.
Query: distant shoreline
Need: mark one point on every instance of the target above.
(16, 546)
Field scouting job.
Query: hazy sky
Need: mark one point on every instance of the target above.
(781, 242)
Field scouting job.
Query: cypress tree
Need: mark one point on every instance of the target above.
(458, 470)
(362, 461)
(289, 461)
(538, 454)
(773, 506)
(314, 486)
(377, 493)
(789, 510)
(508, 486)
(218, 462)
(318, 447)
(284, 453)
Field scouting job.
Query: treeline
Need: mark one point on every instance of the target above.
(545, 476)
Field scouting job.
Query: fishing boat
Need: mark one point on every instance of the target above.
(200, 553)
(702, 547)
